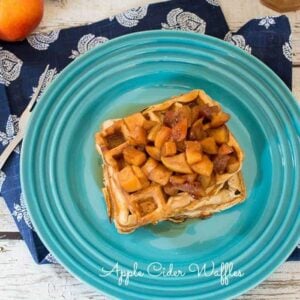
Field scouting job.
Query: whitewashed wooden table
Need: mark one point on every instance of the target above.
(20, 277)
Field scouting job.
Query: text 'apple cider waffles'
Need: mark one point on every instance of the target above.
(172, 161)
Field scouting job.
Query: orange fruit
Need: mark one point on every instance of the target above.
(18, 18)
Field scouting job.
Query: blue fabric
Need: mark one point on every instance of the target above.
(22, 63)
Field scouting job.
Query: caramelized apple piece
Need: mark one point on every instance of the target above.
(206, 126)
(220, 163)
(193, 152)
(149, 166)
(170, 190)
(148, 124)
(204, 167)
(193, 188)
(140, 147)
(128, 180)
(153, 152)
(225, 149)
(197, 132)
(160, 175)
(126, 133)
(219, 119)
(133, 156)
(135, 137)
(208, 111)
(179, 129)
(154, 117)
(141, 176)
(178, 179)
(170, 117)
(139, 136)
(153, 132)
(195, 113)
(213, 180)
(180, 146)
(186, 112)
(179, 119)
(204, 180)
(162, 136)
(177, 163)
(134, 120)
(220, 134)
(168, 149)
(209, 146)
(233, 165)
(207, 181)
(190, 177)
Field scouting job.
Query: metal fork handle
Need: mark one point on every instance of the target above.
(10, 148)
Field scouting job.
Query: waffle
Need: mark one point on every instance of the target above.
(172, 161)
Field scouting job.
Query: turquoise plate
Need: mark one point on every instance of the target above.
(61, 177)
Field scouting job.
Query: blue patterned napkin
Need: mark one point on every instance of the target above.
(22, 63)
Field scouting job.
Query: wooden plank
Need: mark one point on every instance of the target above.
(296, 83)
(21, 278)
(7, 223)
(63, 14)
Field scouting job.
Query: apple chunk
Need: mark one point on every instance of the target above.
(220, 163)
(141, 176)
(193, 152)
(160, 175)
(204, 167)
(149, 166)
(209, 145)
(193, 188)
(134, 156)
(220, 134)
(128, 180)
(219, 119)
(204, 180)
(178, 179)
(134, 120)
(197, 132)
(153, 132)
(148, 124)
(225, 149)
(162, 136)
(177, 163)
(187, 113)
(135, 137)
(179, 129)
(233, 165)
(153, 152)
(168, 149)
(138, 136)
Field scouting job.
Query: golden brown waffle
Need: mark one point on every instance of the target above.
(172, 161)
